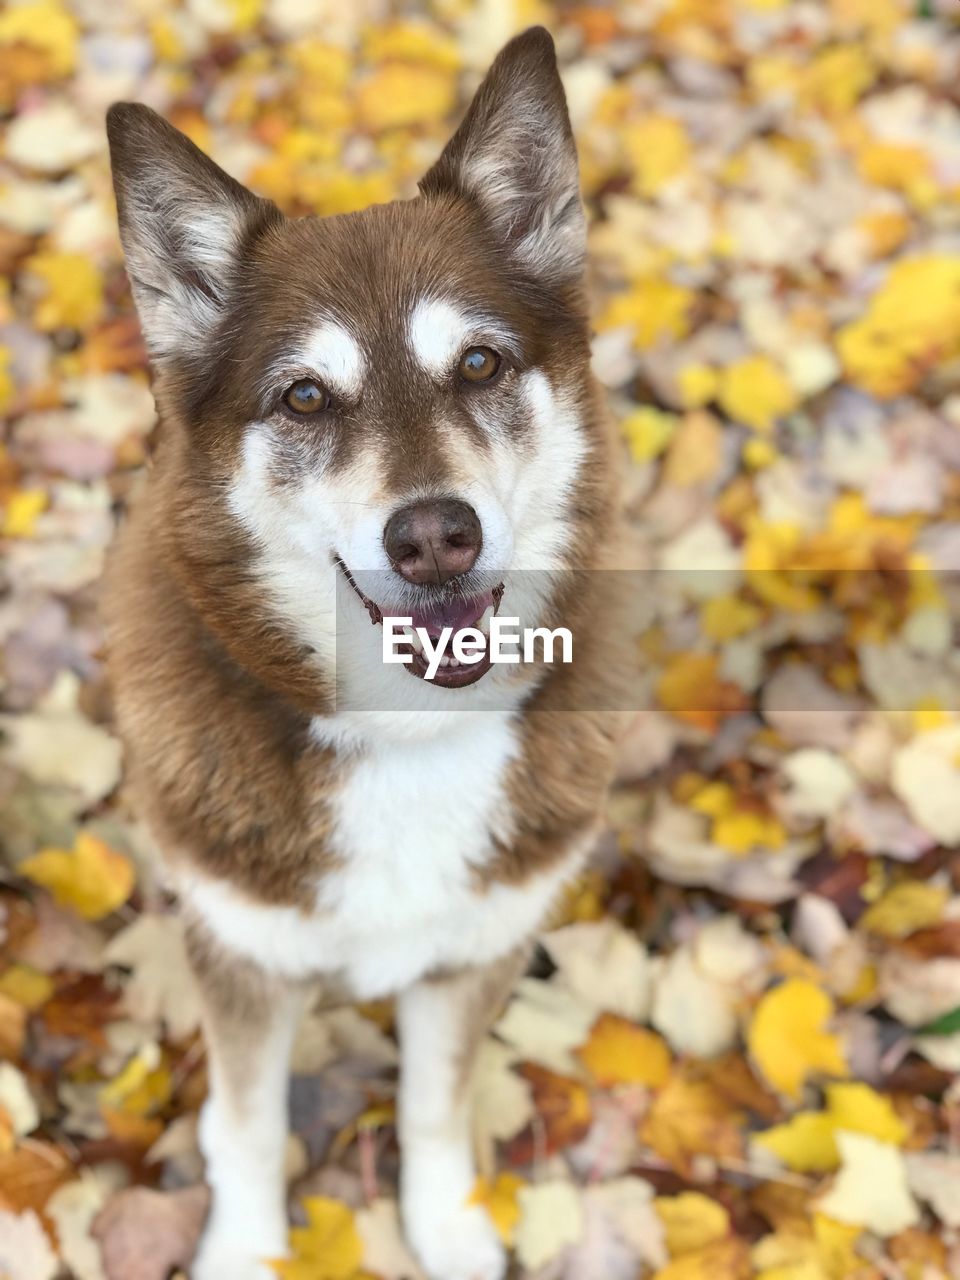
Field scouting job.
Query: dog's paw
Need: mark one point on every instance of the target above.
(220, 1259)
(463, 1245)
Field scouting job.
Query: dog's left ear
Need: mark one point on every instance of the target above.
(514, 155)
(184, 225)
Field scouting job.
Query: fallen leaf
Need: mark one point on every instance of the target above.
(691, 1221)
(551, 1218)
(787, 1037)
(604, 964)
(72, 1209)
(145, 1234)
(694, 1012)
(725, 1260)
(561, 1104)
(807, 1142)
(500, 1199)
(905, 909)
(385, 1251)
(934, 1177)
(688, 1118)
(91, 878)
(161, 986)
(25, 1252)
(329, 1246)
(618, 1052)
(871, 1189)
(18, 1108)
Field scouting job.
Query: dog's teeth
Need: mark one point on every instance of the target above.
(444, 661)
(414, 639)
(484, 623)
(453, 662)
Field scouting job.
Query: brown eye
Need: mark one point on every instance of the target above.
(306, 397)
(479, 364)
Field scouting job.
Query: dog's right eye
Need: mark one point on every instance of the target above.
(306, 397)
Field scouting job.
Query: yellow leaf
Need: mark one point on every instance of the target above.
(658, 149)
(689, 1118)
(726, 617)
(691, 1221)
(698, 385)
(912, 324)
(73, 296)
(23, 508)
(805, 1143)
(47, 26)
(885, 231)
(906, 908)
(837, 76)
(6, 380)
(745, 830)
(412, 42)
(328, 1248)
(726, 1260)
(28, 987)
(142, 1088)
(858, 1108)
(91, 878)
(756, 392)
(787, 1257)
(654, 308)
(501, 1200)
(929, 713)
(648, 432)
(835, 1244)
(244, 14)
(787, 1037)
(896, 165)
(620, 1052)
(397, 95)
(715, 800)
(759, 453)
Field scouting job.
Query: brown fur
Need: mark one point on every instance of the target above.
(214, 694)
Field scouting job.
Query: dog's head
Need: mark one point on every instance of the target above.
(398, 399)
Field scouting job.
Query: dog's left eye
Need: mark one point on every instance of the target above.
(306, 396)
(479, 364)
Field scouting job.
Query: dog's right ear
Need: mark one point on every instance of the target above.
(184, 225)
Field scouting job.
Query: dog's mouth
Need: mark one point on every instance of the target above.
(456, 611)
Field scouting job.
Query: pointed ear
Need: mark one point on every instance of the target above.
(184, 224)
(514, 155)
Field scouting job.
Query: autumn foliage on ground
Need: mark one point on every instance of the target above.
(735, 1054)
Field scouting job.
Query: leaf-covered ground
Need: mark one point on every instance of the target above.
(736, 1057)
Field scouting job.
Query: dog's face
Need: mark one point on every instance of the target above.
(394, 400)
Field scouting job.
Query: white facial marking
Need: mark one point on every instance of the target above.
(438, 331)
(336, 356)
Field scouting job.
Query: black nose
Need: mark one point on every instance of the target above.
(433, 541)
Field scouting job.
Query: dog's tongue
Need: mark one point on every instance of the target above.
(458, 612)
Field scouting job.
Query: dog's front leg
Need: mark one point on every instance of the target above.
(441, 1022)
(249, 1021)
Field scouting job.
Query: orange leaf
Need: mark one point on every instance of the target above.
(689, 1117)
(563, 1105)
(620, 1052)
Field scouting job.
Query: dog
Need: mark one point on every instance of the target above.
(383, 414)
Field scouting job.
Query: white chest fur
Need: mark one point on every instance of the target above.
(413, 823)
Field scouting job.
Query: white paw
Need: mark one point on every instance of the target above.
(222, 1259)
(462, 1245)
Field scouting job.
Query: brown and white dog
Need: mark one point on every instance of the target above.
(397, 402)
